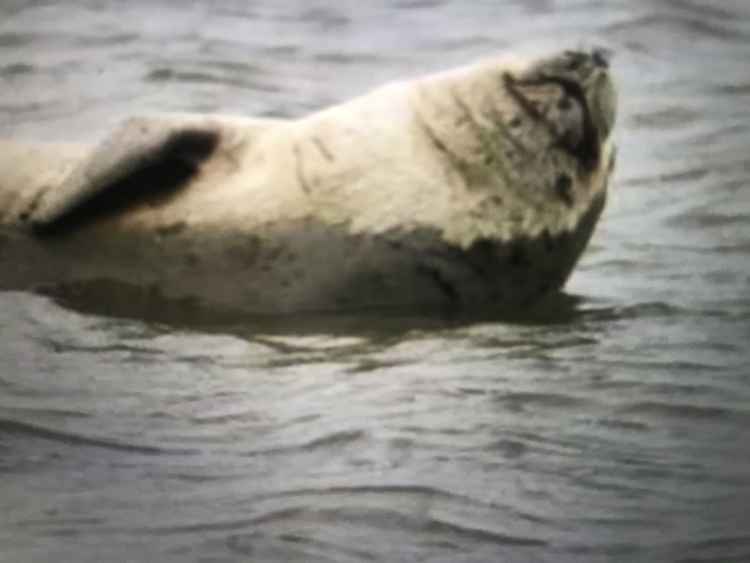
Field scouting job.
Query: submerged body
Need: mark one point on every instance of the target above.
(477, 187)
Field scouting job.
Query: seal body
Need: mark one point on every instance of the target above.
(477, 187)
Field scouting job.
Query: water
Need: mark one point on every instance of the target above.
(610, 426)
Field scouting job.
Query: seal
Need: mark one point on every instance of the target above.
(474, 188)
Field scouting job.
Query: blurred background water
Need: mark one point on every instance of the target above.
(613, 429)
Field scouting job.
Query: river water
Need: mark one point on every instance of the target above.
(611, 425)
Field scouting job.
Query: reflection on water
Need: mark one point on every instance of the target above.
(609, 425)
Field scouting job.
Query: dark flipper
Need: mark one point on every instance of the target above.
(146, 159)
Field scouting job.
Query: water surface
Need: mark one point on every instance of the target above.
(612, 426)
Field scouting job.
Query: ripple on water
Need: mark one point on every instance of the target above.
(610, 425)
(31, 431)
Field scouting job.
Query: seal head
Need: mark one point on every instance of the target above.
(583, 117)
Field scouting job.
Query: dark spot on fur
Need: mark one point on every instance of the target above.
(481, 255)
(515, 121)
(172, 229)
(192, 146)
(548, 240)
(518, 257)
(442, 283)
(324, 150)
(275, 252)
(564, 104)
(27, 213)
(564, 189)
(245, 251)
(177, 161)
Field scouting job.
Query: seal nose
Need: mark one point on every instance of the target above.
(601, 57)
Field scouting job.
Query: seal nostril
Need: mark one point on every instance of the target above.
(601, 57)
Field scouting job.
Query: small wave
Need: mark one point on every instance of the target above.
(640, 311)
(704, 219)
(22, 107)
(725, 548)
(35, 431)
(167, 74)
(665, 118)
(105, 40)
(719, 134)
(704, 10)
(59, 347)
(622, 424)
(16, 69)
(413, 495)
(39, 412)
(682, 410)
(380, 490)
(304, 548)
(520, 401)
(198, 77)
(417, 4)
(679, 26)
(336, 439)
(343, 58)
(237, 67)
(508, 448)
(401, 525)
(280, 50)
(325, 18)
(672, 177)
(17, 39)
(739, 89)
(483, 534)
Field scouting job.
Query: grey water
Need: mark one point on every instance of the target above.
(614, 425)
